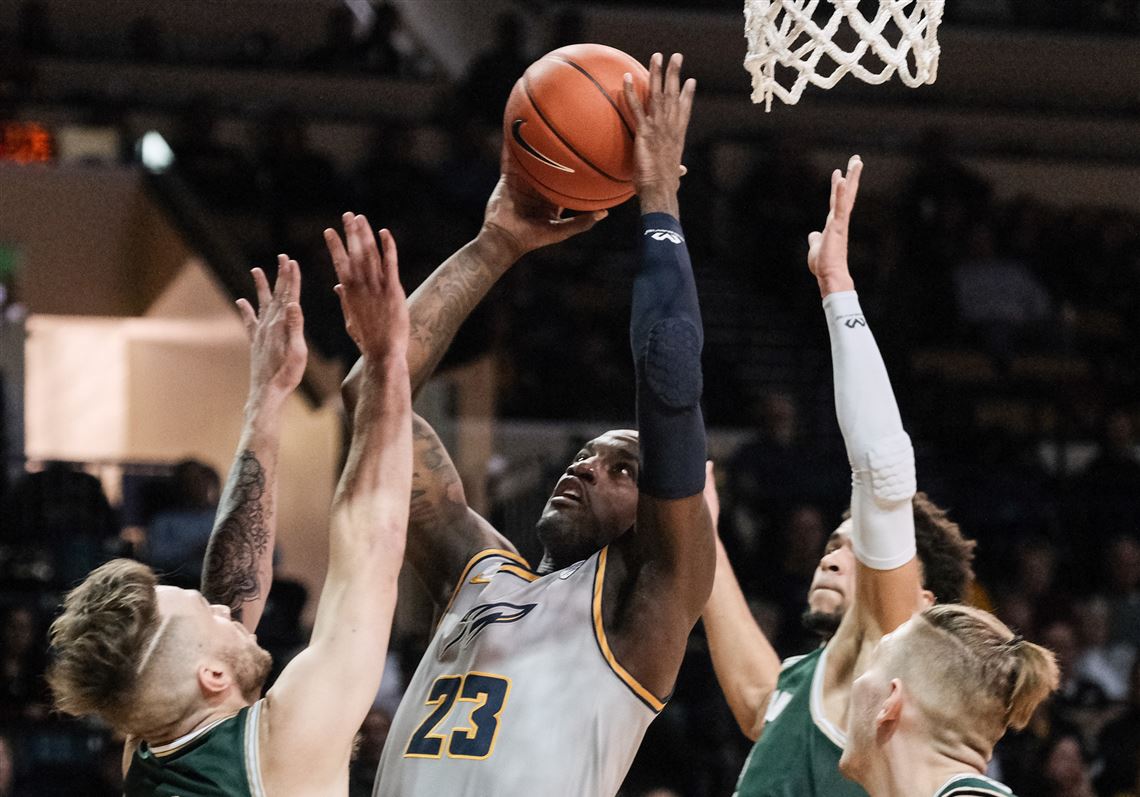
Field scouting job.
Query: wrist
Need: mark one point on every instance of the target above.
(835, 282)
(264, 407)
(656, 198)
(496, 247)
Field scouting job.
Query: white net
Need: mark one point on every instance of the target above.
(902, 36)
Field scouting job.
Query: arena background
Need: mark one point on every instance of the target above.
(151, 152)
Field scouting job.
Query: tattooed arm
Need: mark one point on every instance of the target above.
(514, 223)
(239, 558)
(443, 532)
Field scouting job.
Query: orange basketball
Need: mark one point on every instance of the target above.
(569, 130)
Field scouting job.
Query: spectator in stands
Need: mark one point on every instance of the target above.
(1102, 661)
(771, 474)
(59, 522)
(7, 768)
(1122, 565)
(1116, 468)
(1118, 745)
(23, 692)
(369, 746)
(1066, 767)
(996, 296)
(177, 535)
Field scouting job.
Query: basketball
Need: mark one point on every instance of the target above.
(568, 128)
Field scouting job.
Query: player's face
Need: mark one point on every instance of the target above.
(595, 501)
(833, 584)
(219, 634)
(869, 692)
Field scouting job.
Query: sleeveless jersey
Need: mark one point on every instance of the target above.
(973, 786)
(797, 755)
(220, 760)
(518, 692)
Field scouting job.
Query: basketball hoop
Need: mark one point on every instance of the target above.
(783, 33)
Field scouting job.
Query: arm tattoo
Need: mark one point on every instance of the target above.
(239, 539)
(432, 479)
(445, 304)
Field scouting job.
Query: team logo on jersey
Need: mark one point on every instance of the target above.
(516, 132)
(666, 235)
(779, 702)
(479, 618)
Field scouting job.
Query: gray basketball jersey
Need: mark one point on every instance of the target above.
(518, 692)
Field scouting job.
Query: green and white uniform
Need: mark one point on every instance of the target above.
(798, 753)
(973, 786)
(219, 760)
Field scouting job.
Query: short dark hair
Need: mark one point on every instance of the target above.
(947, 556)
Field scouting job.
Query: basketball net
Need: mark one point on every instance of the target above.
(783, 33)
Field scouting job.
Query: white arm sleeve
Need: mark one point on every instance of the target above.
(879, 450)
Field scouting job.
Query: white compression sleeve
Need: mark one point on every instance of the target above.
(879, 450)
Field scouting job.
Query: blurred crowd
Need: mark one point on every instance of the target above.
(1009, 327)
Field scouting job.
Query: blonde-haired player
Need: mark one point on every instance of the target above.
(936, 696)
(181, 678)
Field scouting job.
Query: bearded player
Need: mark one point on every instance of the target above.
(936, 696)
(876, 572)
(181, 678)
(543, 681)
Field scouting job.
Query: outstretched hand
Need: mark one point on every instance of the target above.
(523, 220)
(371, 296)
(827, 251)
(276, 332)
(661, 125)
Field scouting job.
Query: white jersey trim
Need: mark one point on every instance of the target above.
(160, 750)
(650, 700)
(819, 717)
(991, 786)
(253, 749)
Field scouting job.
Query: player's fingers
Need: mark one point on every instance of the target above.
(688, 91)
(374, 267)
(248, 317)
(836, 178)
(655, 77)
(684, 170)
(281, 285)
(673, 75)
(632, 100)
(261, 285)
(294, 319)
(813, 239)
(355, 270)
(391, 259)
(854, 170)
(336, 252)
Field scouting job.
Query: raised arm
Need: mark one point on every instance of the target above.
(515, 222)
(238, 569)
(888, 577)
(326, 691)
(663, 570)
(746, 665)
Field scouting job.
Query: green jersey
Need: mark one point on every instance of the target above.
(219, 760)
(973, 786)
(798, 753)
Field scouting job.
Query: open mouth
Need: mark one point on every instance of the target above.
(569, 490)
